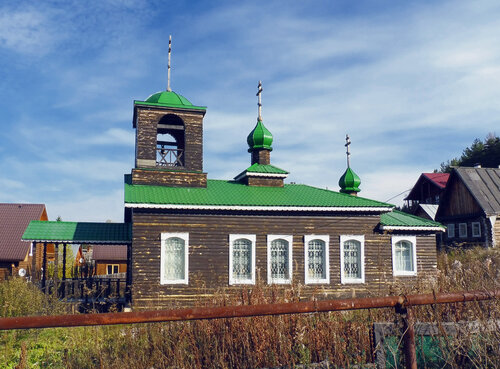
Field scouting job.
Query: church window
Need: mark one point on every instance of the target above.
(352, 259)
(174, 258)
(404, 255)
(279, 259)
(316, 264)
(241, 259)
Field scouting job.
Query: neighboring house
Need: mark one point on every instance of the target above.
(14, 253)
(470, 208)
(110, 259)
(427, 190)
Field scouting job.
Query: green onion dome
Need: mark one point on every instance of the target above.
(349, 182)
(169, 98)
(260, 138)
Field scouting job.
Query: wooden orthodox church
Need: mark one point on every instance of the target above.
(190, 236)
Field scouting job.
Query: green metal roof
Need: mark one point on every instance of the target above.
(232, 194)
(399, 220)
(260, 137)
(261, 168)
(349, 182)
(78, 232)
(169, 99)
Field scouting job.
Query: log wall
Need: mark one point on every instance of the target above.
(209, 254)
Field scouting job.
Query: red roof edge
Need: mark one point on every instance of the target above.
(440, 179)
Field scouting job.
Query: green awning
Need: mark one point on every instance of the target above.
(78, 232)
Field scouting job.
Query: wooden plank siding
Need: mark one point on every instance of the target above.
(209, 254)
(460, 201)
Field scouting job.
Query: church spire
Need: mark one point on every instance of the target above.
(169, 53)
(349, 182)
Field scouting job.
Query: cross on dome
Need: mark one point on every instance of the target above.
(347, 143)
(169, 53)
(259, 95)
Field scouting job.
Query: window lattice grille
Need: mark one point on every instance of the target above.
(316, 259)
(404, 256)
(242, 259)
(352, 259)
(279, 259)
(173, 267)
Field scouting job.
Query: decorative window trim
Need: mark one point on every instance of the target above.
(326, 240)
(252, 239)
(185, 237)
(270, 239)
(413, 241)
(478, 225)
(361, 240)
(450, 231)
(462, 230)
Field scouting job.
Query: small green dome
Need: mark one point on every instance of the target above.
(349, 182)
(169, 98)
(260, 138)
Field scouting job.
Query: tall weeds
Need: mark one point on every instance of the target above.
(342, 338)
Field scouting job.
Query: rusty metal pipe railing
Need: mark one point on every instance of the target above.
(241, 311)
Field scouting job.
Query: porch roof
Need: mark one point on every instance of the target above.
(78, 232)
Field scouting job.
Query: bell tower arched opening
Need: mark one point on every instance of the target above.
(170, 142)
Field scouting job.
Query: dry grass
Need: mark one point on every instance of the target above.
(343, 339)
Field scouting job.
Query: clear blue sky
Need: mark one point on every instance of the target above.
(412, 82)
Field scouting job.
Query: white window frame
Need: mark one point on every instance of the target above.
(462, 226)
(361, 240)
(270, 239)
(326, 240)
(478, 225)
(252, 239)
(413, 241)
(185, 237)
(450, 230)
(112, 267)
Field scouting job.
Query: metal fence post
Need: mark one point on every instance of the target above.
(408, 330)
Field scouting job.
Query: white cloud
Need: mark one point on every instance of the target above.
(88, 207)
(113, 136)
(26, 31)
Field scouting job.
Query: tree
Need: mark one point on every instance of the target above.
(486, 153)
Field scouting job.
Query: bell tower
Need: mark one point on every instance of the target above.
(168, 140)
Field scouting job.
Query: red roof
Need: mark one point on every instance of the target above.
(439, 179)
(14, 218)
(109, 252)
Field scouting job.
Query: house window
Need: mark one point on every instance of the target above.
(174, 258)
(352, 250)
(476, 229)
(316, 249)
(462, 230)
(242, 259)
(451, 230)
(404, 255)
(279, 259)
(111, 268)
